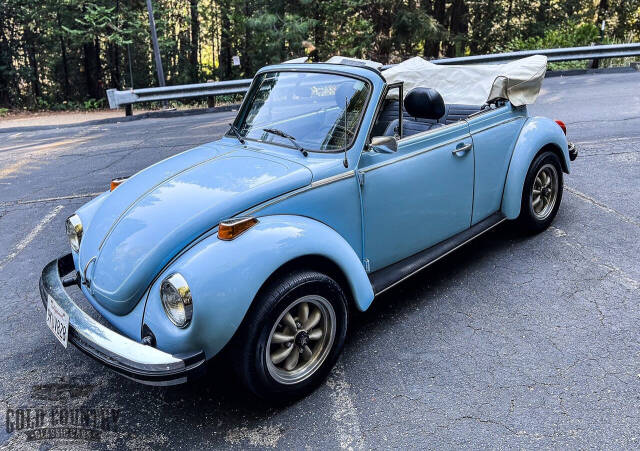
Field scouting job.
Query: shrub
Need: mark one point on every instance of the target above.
(570, 34)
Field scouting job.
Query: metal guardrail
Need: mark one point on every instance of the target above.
(131, 96)
(594, 52)
(212, 89)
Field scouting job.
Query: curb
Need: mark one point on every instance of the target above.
(113, 120)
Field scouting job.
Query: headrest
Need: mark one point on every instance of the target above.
(424, 103)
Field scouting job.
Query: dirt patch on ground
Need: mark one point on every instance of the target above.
(40, 118)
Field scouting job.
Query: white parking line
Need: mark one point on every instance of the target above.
(344, 411)
(29, 238)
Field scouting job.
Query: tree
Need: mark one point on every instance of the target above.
(57, 51)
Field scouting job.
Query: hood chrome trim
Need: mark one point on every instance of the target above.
(285, 196)
(86, 280)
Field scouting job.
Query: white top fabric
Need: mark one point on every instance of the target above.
(337, 59)
(302, 59)
(518, 81)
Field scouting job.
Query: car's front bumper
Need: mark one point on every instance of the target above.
(134, 360)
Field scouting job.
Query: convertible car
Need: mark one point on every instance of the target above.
(335, 182)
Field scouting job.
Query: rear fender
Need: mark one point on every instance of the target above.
(536, 134)
(225, 276)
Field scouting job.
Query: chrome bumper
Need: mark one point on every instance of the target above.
(127, 357)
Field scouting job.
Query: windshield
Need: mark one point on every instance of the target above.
(306, 106)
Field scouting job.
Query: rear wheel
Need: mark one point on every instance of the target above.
(542, 193)
(292, 336)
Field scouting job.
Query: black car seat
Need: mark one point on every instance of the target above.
(388, 114)
(425, 107)
(457, 112)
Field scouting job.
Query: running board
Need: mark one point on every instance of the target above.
(390, 276)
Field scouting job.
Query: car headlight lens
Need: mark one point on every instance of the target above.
(74, 231)
(176, 300)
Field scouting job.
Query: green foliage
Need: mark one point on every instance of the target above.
(567, 35)
(64, 54)
(93, 104)
(4, 112)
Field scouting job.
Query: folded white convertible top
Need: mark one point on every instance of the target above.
(518, 81)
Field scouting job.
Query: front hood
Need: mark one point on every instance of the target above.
(151, 217)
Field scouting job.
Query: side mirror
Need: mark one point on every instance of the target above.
(384, 144)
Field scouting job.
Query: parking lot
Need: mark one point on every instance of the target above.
(512, 341)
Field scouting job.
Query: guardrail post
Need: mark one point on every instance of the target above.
(128, 110)
(595, 63)
(211, 100)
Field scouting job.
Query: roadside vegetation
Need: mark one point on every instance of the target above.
(59, 55)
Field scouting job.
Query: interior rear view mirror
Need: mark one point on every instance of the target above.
(384, 144)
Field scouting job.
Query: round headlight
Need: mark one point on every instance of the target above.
(74, 231)
(176, 300)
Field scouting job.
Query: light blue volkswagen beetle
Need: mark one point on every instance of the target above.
(326, 191)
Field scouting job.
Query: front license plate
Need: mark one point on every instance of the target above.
(58, 321)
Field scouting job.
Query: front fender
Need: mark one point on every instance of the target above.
(225, 276)
(536, 133)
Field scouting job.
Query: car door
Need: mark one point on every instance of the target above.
(494, 135)
(418, 196)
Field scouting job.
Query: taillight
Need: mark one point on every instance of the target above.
(562, 126)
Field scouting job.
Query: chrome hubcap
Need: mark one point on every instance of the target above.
(301, 339)
(545, 191)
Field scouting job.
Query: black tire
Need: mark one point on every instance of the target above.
(248, 348)
(529, 221)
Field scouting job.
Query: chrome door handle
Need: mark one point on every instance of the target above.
(461, 150)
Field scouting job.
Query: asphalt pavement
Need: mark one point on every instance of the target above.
(510, 342)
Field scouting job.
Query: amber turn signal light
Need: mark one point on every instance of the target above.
(116, 182)
(232, 228)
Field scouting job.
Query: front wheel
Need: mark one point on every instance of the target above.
(542, 193)
(292, 336)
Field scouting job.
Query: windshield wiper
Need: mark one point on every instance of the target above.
(275, 131)
(237, 134)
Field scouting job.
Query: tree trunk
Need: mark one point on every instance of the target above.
(195, 36)
(432, 47)
(34, 75)
(91, 73)
(543, 18)
(247, 63)
(6, 65)
(65, 61)
(116, 77)
(458, 27)
(114, 66)
(318, 30)
(603, 6)
(225, 42)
